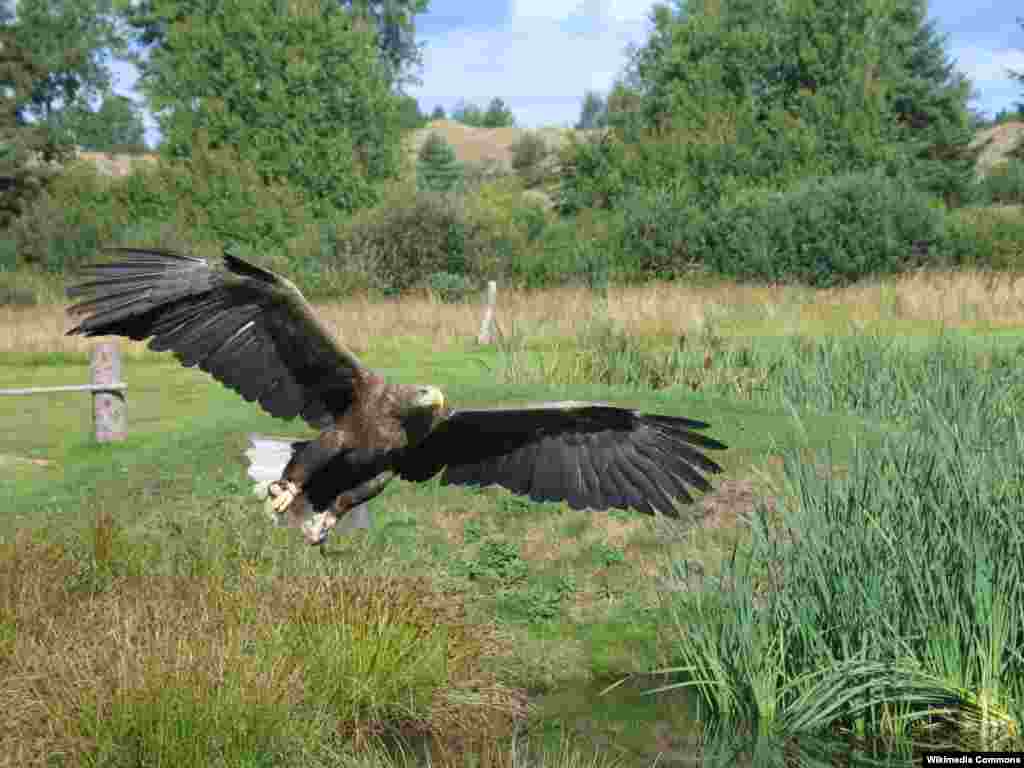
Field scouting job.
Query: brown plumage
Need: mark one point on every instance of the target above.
(255, 332)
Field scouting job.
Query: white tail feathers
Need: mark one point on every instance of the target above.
(268, 456)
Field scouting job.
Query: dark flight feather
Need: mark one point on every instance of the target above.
(587, 454)
(249, 328)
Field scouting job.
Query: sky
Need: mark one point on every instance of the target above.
(540, 56)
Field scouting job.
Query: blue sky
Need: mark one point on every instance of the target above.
(541, 55)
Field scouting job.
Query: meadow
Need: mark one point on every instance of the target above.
(854, 579)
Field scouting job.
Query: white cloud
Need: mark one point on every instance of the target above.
(557, 10)
(545, 9)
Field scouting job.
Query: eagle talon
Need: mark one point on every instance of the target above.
(318, 527)
(282, 493)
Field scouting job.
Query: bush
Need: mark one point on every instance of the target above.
(410, 236)
(528, 155)
(581, 249)
(822, 232)
(531, 218)
(65, 225)
(212, 197)
(450, 288)
(985, 237)
(1003, 184)
(654, 234)
(593, 173)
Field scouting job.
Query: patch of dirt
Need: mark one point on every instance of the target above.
(1002, 139)
(116, 165)
(487, 145)
(732, 502)
(453, 523)
(8, 460)
(541, 543)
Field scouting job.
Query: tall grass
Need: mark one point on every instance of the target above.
(886, 600)
(872, 375)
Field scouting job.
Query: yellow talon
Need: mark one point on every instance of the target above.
(282, 493)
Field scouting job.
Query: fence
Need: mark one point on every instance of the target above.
(109, 414)
(486, 334)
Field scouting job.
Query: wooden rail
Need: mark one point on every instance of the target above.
(109, 414)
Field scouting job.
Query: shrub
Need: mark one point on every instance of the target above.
(581, 249)
(411, 236)
(65, 225)
(823, 231)
(985, 237)
(213, 197)
(1003, 184)
(593, 173)
(654, 234)
(450, 288)
(531, 218)
(528, 155)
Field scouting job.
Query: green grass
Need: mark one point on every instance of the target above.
(554, 600)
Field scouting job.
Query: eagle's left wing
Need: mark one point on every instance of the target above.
(591, 455)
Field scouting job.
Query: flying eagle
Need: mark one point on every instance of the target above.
(255, 333)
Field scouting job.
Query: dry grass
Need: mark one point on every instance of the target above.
(936, 299)
(141, 668)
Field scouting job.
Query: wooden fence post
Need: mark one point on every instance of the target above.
(108, 405)
(487, 326)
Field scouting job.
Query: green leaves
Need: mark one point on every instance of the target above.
(297, 89)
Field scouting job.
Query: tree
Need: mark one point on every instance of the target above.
(438, 113)
(831, 85)
(73, 40)
(393, 20)
(409, 114)
(594, 112)
(27, 149)
(437, 169)
(297, 88)
(468, 113)
(498, 115)
(115, 126)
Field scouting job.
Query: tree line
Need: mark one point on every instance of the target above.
(725, 98)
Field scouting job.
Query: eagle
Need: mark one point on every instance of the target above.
(253, 331)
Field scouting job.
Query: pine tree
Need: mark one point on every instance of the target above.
(593, 113)
(437, 168)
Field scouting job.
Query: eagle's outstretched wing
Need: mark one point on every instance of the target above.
(590, 455)
(251, 329)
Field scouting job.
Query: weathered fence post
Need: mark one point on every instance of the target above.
(487, 326)
(108, 405)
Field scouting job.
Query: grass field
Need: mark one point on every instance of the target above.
(149, 615)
